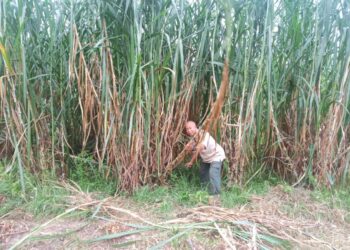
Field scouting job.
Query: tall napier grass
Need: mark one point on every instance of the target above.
(118, 79)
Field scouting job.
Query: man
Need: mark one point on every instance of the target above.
(212, 156)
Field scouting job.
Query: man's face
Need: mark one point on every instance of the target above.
(191, 129)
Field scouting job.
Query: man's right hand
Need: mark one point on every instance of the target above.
(189, 146)
(189, 164)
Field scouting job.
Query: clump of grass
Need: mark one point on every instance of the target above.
(156, 196)
(46, 198)
(41, 198)
(10, 189)
(234, 196)
(183, 190)
(186, 189)
(335, 198)
(85, 172)
(148, 194)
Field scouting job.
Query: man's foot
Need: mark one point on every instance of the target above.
(214, 200)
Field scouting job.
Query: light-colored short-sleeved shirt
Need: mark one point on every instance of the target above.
(212, 151)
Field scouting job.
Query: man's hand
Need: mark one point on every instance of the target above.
(189, 164)
(190, 146)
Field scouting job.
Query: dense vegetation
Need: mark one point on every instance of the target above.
(115, 80)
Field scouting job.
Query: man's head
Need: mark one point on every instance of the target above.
(191, 128)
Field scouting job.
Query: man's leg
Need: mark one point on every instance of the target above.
(204, 174)
(215, 178)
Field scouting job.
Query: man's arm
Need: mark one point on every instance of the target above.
(195, 152)
(190, 146)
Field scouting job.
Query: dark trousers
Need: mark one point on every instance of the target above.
(210, 176)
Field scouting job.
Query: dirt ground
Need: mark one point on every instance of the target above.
(306, 224)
